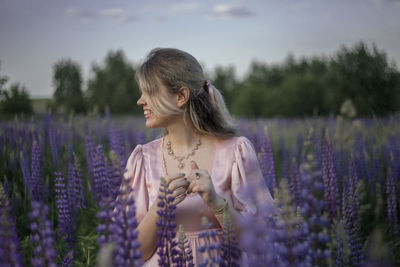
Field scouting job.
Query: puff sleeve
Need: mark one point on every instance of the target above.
(136, 174)
(246, 174)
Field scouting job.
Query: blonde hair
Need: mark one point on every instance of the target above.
(176, 69)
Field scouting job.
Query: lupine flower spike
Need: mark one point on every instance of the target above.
(10, 253)
(42, 238)
(229, 245)
(185, 257)
(166, 243)
(65, 230)
(211, 248)
(123, 229)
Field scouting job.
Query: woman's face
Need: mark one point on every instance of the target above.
(152, 120)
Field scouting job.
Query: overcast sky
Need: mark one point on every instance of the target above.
(34, 34)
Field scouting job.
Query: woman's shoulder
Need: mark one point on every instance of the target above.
(152, 145)
(234, 141)
(149, 147)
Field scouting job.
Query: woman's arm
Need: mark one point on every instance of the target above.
(234, 215)
(148, 232)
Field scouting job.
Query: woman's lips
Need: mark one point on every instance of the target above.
(147, 113)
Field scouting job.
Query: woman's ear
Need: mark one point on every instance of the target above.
(183, 96)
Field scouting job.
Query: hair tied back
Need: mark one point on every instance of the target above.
(210, 90)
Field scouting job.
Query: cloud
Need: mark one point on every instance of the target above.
(231, 11)
(184, 7)
(115, 14)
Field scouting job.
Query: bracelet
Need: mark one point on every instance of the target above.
(222, 209)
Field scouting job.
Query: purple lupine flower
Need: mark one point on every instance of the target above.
(257, 232)
(315, 222)
(117, 144)
(10, 250)
(340, 244)
(68, 259)
(76, 191)
(116, 172)
(267, 164)
(331, 193)
(123, 228)
(351, 216)
(105, 217)
(229, 245)
(26, 173)
(36, 173)
(54, 144)
(260, 137)
(166, 242)
(90, 152)
(79, 189)
(72, 180)
(391, 201)
(290, 231)
(64, 211)
(185, 256)
(100, 172)
(211, 247)
(295, 185)
(42, 237)
(284, 156)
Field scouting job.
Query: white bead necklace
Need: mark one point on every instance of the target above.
(181, 158)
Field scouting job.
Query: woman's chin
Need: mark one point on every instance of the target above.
(151, 124)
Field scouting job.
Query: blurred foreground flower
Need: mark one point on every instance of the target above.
(10, 251)
(42, 236)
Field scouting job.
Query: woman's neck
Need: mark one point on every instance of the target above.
(182, 136)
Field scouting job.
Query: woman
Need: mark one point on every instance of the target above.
(204, 162)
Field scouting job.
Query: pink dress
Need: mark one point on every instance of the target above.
(235, 166)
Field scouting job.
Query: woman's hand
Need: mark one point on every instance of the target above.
(200, 182)
(178, 184)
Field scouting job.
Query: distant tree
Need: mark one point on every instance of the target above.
(15, 100)
(224, 79)
(113, 85)
(250, 95)
(320, 85)
(67, 80)
(366, 77)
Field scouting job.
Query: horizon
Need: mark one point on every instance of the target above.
(227, 33)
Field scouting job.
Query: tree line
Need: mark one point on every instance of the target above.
(316, 85)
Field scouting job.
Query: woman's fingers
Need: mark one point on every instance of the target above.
(178, 191)
(183, 182)
(193, 184)
(179, 199)
(197, 177)
(174, 177)
(190, 187)
(199, 188)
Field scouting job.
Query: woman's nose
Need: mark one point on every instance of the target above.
(141, 101)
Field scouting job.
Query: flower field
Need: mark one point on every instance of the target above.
(335, 181)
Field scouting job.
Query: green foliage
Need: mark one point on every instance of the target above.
(224, 79)
(15, 100)
(319, 85)
(113, 85)
(67, 81)
(367, 78)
